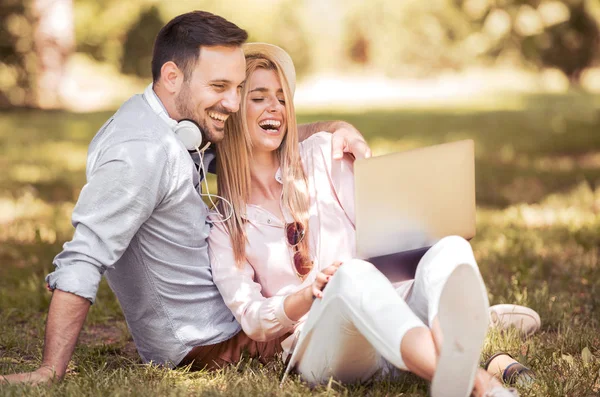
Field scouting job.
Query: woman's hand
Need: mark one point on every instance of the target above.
(323, 278)
(298, 304)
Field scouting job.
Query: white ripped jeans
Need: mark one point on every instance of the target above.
(362, 318)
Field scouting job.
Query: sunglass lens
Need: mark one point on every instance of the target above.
(301, 264)
(294, 232)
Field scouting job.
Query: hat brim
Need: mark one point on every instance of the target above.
(276, 54)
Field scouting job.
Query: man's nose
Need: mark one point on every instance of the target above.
(231, 101)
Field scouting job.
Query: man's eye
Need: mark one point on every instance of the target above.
(257, 99)
(219, 86)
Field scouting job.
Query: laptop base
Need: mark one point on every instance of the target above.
(400, 266)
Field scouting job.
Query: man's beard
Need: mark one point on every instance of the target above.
(183, 104)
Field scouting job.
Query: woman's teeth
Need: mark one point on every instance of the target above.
(270, 125)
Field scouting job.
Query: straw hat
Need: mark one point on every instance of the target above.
(277, 54)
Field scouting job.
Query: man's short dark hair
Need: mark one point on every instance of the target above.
(180, 40)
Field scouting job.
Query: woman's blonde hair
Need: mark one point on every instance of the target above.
(234, 154)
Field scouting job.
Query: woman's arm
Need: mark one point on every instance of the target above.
(261, 318)
(340, 173)
(298, 304)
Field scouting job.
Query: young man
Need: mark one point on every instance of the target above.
(140, 221)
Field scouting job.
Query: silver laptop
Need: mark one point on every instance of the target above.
(407, 201)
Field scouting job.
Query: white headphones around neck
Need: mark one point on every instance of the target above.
(188, 131)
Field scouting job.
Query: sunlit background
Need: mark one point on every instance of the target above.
(87, 55)
(521, 78)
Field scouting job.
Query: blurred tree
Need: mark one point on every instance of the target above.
(291, 29)
(53, 44)
(15, 44)
(102, 27)
(36, 40)
(423, 37)
(137, 49)
(572, 45)
(559, 34)
(407, 38)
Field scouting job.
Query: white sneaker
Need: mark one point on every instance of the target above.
(463, 316)
(526, 320)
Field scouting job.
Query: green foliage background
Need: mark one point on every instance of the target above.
(398, 38)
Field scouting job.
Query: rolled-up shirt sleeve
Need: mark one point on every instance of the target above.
(261, 318)
(124, 185)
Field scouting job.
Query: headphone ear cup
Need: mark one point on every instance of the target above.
(189, 134)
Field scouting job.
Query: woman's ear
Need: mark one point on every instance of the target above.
(171, 77)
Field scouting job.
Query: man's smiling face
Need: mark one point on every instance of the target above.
(213, 90)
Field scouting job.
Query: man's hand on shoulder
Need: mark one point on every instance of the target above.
(347, 139)
(42, 375)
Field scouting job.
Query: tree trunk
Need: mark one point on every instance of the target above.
(53, 43)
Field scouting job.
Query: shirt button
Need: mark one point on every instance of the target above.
(268, 221)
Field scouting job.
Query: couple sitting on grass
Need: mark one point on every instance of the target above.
(272, 271)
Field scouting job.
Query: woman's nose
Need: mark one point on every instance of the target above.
(274, 106)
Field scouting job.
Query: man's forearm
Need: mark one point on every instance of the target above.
(306, 130)
(66, 316)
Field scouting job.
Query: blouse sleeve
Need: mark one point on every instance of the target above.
(261, 318)
(340, 173)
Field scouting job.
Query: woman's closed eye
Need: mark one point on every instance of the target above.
(261, 99)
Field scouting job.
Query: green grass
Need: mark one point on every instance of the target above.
(538, 192)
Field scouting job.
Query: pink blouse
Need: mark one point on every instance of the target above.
(255, 292)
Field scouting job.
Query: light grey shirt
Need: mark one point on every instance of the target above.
(140, 221)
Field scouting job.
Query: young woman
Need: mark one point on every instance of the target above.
(284, 260)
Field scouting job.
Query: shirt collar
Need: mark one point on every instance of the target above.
(150, 91)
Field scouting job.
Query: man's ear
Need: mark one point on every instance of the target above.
(171, 77)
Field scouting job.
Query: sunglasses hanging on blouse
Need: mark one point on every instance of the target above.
(295, 233)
